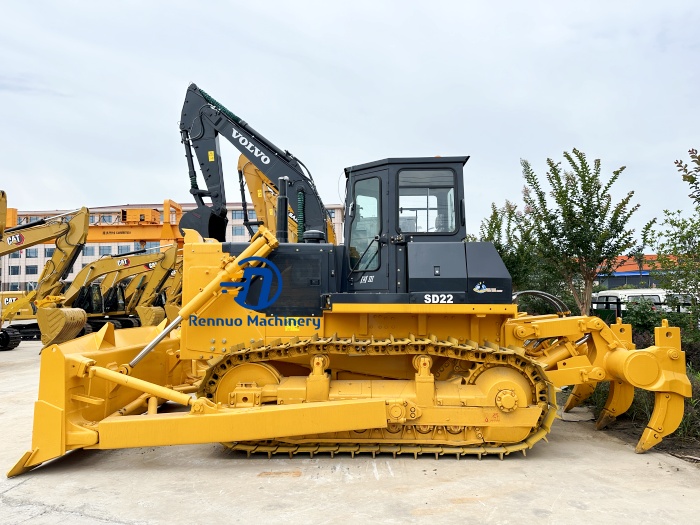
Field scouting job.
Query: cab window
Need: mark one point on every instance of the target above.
(366, 225)
(426, 201)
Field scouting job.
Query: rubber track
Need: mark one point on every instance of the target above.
(10, 339)
(488, 355)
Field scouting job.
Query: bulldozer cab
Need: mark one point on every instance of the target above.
(394, 204)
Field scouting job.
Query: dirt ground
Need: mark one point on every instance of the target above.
(629, 431)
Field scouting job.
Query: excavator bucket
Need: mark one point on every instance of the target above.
(150, 315)
(60, 324)
(171, 311)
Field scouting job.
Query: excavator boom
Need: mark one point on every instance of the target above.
(70, 232)
(264, 195)
(203, 121)
(3, 213)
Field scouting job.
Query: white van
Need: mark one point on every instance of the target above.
(612, 299)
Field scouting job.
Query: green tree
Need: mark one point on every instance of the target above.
(691, 175)
(677, 266)
(580, 232)
(513, 234)
(510, 231)
(676, 241)
(637, 254)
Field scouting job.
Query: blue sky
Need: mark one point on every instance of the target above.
(91, 92)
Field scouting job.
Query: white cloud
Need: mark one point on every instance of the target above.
(91, 92)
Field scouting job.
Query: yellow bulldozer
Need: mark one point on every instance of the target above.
(401, 340)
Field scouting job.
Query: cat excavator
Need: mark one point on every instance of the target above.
(171, 295)
(99, 295)
(3, 212)
(70, 232)
(401, 340)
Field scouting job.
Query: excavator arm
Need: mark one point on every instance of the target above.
(263, 194)
(202, 121)
(38, 232)
(69, 243)
(142, 301)
(59, 321)
(68, 246)
(140, 263)
(3, 212)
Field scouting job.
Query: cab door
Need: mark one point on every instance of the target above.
(367, 248)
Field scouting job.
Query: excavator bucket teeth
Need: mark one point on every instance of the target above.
(58, 325)
(619, 400)
(150, 315)
(579, 394)
(667, 415)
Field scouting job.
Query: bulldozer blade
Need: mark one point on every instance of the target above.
(58, 325)
(619, 400)
(579, 393)
(667, 415)
(150, 315)
(70, 401)
(87, 400)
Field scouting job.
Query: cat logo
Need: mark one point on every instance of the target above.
(123, 262)
(8, 300)
(15, 240)
(150, 265)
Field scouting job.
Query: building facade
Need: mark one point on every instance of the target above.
(19, 271)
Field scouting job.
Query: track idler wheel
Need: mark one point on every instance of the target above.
(9, 339)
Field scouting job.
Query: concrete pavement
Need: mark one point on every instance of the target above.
(580, 476)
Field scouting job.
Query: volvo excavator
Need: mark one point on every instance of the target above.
(402, 340)
(70, 232)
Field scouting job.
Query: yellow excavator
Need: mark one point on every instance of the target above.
(148, 288)
(171, 294)
(401, 340)
(70, 232)
(263, 194)
(87, 300)
(3, 212)
(126, 298)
